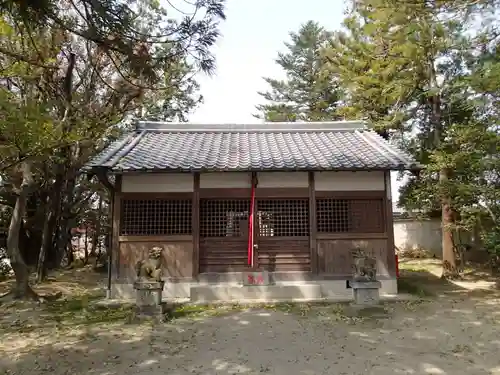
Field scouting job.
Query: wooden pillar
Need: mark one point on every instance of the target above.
(254, 180)
(115, 231)
(196, 225)
(389, 226)
(312, 224)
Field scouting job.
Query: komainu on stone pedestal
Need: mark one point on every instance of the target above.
(364, 283)
(365, 267)
(149, 285)
(150, 269)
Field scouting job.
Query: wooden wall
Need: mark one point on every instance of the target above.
(177, 257)
(322, 254)
(334, 254)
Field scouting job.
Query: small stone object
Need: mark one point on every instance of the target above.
(149, 286)
(255, 278)
(364, 284)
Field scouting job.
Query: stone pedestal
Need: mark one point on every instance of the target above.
(366, 293)
(255, 277)
(366, 301)
(149, 299)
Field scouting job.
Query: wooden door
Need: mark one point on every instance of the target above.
(282, 234)
(223, 235)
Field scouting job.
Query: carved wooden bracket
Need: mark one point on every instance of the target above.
(416, 172)
(104, 179)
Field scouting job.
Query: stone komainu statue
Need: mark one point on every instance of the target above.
(365, 267)
(151, 268)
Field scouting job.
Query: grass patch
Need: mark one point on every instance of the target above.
(340, 312)
(297, 308)
(194, 311)
(414, 287)
(80, 310)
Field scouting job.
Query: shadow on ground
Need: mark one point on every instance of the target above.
(450, 335)
(423, 277)
(450, 330)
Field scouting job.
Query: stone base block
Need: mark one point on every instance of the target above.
(255, 293)
(148, 299)
(366, 293)
(148, 293)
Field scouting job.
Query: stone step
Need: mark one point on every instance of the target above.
(226, 293)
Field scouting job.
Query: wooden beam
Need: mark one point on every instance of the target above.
(215, 193)
(389, 225)
(196, 224)
(104, 179)
(312, 224)
(115, 239)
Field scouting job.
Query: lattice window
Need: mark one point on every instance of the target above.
(349, 215)
(150, 217)
(332, 215)
(224, 217)
(283, 217)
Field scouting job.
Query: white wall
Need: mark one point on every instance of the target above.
(227, 180)
(349, 181)
(412, 234)
(283, 179)
(158, 183)
(183, 182)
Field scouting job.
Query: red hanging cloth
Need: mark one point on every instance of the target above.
(250, 226)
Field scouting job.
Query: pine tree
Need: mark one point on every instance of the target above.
(309, 92)
(370, 69)
(404, 67)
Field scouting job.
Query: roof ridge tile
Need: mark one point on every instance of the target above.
(265, 127)
(255, 151)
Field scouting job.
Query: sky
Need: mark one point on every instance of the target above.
(251, 38)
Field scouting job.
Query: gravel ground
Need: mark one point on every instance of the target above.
(452, 335)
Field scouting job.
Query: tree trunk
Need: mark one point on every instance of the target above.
(450, 269)
(21, 288)
(69, 253)
(65, 222)
(46, 239)
(447, 219)
(55, 217)
(86, 245)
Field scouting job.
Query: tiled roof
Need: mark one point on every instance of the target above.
(269, 146)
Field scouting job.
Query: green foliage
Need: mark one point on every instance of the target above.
(179, 97)
(74, 76)
(428, 74)
(491, 240)
(309, 92)
(46, 108)
(129, 31)
(5, 267)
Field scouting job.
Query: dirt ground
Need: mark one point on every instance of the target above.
(456, 330)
